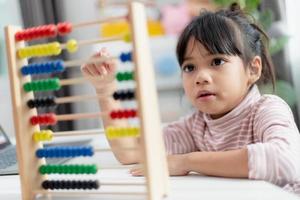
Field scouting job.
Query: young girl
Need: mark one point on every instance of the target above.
(235, 131)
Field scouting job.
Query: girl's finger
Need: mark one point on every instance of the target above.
(102, 70)
(86, 71)
(93, 70)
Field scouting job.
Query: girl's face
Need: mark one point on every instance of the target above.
(214, 84)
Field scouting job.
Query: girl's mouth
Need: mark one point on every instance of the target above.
(204, 95)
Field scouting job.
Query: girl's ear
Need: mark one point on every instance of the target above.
(255, 69)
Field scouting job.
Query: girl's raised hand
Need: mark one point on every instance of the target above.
(100, 73)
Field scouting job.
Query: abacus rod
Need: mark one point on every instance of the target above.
(75, 63)
(80, 116)
(100, 21)
(79, 132)
(70, 99)
(94, 41)
(120, 149)
(73, 81)
(75, 193)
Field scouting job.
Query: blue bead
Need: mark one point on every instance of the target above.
(123, 57)
(90, 151)
(48, 67)
(129, 56)
(42, 68)
(126, 57)
(24, 70)
(39, 153)
(29, 69)
(59, 66)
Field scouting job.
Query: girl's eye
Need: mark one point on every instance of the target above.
(217, 62)
(188, 68)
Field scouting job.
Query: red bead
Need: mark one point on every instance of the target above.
(120, 114)
(132, 113)
(52, 118)
(52, 30)
(18, 36)
(126, 113)
(64, 28)
(113, 115)
(34, 120)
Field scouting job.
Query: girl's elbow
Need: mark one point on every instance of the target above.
(290, 170)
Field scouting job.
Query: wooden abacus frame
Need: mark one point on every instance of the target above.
(154, 159)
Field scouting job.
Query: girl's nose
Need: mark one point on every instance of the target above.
(203, 78)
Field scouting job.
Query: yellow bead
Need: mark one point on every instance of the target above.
(54, 48)
(127, 38)
(21, 53)
(108, 132)
(49, 135)
(72, 46)
(36, 137)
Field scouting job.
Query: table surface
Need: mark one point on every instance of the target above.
(193, 186)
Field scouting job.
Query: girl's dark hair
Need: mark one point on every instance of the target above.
(229, 32)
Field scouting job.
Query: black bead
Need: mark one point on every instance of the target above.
(96, 184)
(116, 95)
(30, 103)
(122, 95)
(68, 184)
(45, 185)
(51, 185)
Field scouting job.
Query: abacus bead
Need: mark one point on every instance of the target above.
(45, 185)
(24, 70)
(64, 28)
(72, 46)
(34, 120)
(31, 103)
(27, 87)
(95, 184)
(93, 169)
(42, 169)
(39, 153)
(68, 185)
(59, 66)
(116, 95)
(119, 76)
(127, 38)
(131, 94)
(113, 115)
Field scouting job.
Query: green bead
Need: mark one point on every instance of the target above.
(56, 83)
(42, 169)
(119, 76)
(126, 76)
(132, 76)
(27, 87)
(93, 169)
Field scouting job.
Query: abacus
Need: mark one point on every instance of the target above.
(31, 154)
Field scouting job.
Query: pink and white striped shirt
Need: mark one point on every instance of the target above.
(262, 123)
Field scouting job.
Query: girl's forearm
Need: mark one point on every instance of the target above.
(233, 163)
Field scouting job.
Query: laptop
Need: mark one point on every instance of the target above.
(8, 157)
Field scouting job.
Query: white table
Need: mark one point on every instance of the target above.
(192, 187)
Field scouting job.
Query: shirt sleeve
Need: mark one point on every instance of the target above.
(275, 157)
(177, 136)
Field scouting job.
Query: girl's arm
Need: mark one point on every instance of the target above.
(102, 78)
(275, 157)
(233, 163)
